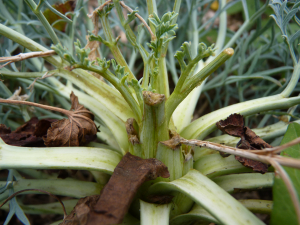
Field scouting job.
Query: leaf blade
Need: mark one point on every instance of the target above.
(283, 211)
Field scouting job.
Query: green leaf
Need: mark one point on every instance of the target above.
(210, 196)
(283, 211)
(131, 16)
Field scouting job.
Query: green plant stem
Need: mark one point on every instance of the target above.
(71, 188)
(179, 95)
(266, 133)
(110, 120)
(210, 196)
(293, 82)
(196, 80)
(154, 214)
(119, 86)
(258, 205)
(58, 158)
(234, 182)
(11, 74)
(198, 213)
(214, 165)
(43, 20)
(112, 44)
(176, 9)
(151, 6)
(204, 125)
(148, 135)
(105, 94)
(163, 78)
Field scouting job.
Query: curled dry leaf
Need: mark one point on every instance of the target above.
(74, 131)
(234, 126)
(118, 193)
(27, 135)
(81, 212)
(131, 127)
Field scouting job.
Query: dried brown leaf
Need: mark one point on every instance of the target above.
(255, 165)
(234, 126)
(4, 129)
(81, 212)
(131, 127)
(42, 127)
(23, 135)
(160, 199)
(74, 131)
(117, 195)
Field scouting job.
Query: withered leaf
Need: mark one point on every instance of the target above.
(160, 199)
(81, 212)
(74, 131)
(255, 165)
(131, 131)
(42, 127)
(23, 136)
(234, 126)
(4, 129)
(119, 192)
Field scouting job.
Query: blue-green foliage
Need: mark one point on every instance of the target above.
(165, 31)
(93, 37)
(119, 70)
(186, 52)
(106, 10)
(131, 16)
(282, 16)
(14, 207)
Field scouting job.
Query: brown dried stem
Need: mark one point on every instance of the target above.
(276, 149)
(23, 56)
(38, 190)
(153, 37)
(284, 161)
(70, 114)
(64, 111)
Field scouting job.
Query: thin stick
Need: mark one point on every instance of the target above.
(45, 192)
(64, 111)
(23, 56)
(288, 183)
(277, 149)
(100, 8)
(153, 37)
(290, 162)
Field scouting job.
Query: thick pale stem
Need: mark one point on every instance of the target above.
(179, 95)
(201, 127)
(154, 214)
(58, 158)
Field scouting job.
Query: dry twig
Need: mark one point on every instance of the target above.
(93, 15)
(284, 161)
(23, 56)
